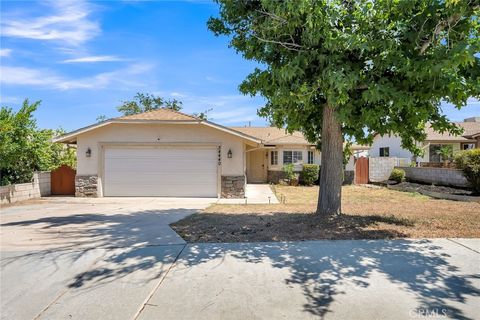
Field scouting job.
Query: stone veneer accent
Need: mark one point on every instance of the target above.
(233, 187)
(437, 176)
(348, 177)
(86, 186)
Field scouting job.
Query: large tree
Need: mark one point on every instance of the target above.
(24, 148)
(352, 68)
(143, 102)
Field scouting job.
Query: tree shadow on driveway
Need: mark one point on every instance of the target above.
(324, 268)
(121, 242)
(131, 242)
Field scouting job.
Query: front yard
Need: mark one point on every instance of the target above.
(368, 213)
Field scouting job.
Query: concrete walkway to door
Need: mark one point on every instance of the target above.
(254, 194)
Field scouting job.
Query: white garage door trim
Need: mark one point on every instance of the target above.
(167, 170)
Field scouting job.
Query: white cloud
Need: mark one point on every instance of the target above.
(5, 52)
(46, 78)
(27, 76)
(217, 80)
(176, 95)
(9, 99)
(91, 59)
(68, 22)
(231, 114)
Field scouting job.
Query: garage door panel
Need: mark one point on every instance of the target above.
(161, 172)
(144, 166)
(154, 180)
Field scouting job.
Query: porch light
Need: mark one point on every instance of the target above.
(88, 153)
(229, 154)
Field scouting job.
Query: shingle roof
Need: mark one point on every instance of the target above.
(273, 135)
(470, 129)
(162, 114)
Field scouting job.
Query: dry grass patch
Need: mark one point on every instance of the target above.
(369, 213)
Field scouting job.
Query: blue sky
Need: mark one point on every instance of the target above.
(83, 58)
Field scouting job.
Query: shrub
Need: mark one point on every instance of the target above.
(469, 162)
(288, 171)
(397, 175)
(445, 152)
(24, 148)
(310, 173)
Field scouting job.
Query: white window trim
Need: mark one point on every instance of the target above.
(380, 153)
(299, 161)
(310, 152)
(274, 158)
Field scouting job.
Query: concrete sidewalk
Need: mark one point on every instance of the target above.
(400, 279)
(254, 194)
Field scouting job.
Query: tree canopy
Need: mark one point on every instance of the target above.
(24, 148)
(385, 66)
(143, 102)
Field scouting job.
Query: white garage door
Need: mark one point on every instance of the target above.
(168, 172)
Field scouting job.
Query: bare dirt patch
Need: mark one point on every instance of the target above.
(369, 213)
(24, 203)
(412, 187)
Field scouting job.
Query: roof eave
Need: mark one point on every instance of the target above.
(459, 140)
(71, 136)
(231, 131)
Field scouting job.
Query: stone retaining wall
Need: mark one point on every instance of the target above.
(86, 186)
(233, 187)
(39, 187)
(437, 176)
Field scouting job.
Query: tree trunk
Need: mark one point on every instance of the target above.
(331, 173)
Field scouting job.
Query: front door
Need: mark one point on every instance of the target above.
(256, 166)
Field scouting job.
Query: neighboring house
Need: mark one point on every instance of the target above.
(390, 146)
(168, 153)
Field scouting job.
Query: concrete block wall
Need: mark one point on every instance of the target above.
(380, 168)
(39, 187)
(437, 176)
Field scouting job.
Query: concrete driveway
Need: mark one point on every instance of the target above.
(118, 259)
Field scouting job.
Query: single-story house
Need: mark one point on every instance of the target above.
(169, 153)
(390, 145)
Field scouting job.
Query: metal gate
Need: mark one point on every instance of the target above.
(361, 171)
(63, 181)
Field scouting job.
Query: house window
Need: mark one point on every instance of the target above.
(273, 158)
(310, 157)
(385, 152)
(468, 146)
(292, 157)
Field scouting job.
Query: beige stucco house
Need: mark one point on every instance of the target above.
(169, 153)
(390, 145)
